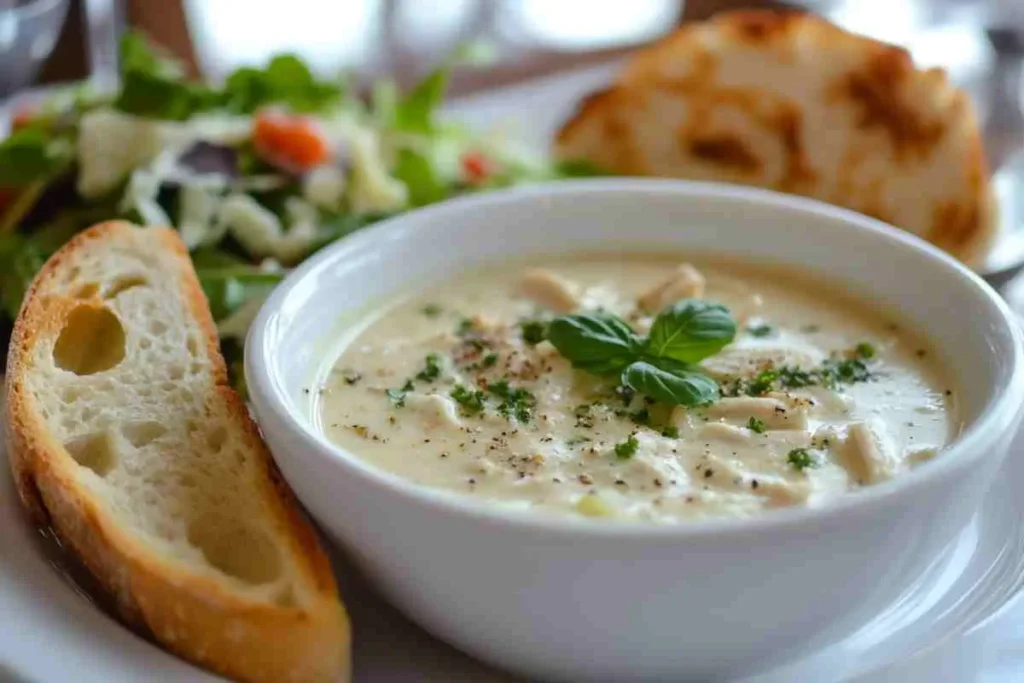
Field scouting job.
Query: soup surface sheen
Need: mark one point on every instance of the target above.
(451, 389)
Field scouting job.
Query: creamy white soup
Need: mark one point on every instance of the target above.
(637, 388)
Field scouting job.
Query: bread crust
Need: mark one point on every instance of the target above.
(831, 115)
(193, 615)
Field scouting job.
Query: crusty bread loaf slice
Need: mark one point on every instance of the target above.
(790, 102)
(125, 436)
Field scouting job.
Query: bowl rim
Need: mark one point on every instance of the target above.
(1004, 405)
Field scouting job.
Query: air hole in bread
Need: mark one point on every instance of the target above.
(141, 434)
(123, 284)
(96, 452)
(69, 395)
(176, 372)
(236, 548)
(157, 326)
(87, 291)
(92, 341)
(145, 343)
(193, 346)
(216, 437)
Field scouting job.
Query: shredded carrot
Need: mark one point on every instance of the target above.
(476, 167)
(288, 141)
(22, 117)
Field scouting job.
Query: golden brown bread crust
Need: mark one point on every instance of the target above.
(192, 615)
(883, 116)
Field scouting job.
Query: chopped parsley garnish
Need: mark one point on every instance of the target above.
(466, 325)
(397, 397)
(755, 425)
(801, 459)
(471, 402)
(641, 417)
(847, 371)
(670, 432)
(792, 377)
(864, 350)
(534, 331)
(760, 330)
(432, 368)
(516, 401)
(624, 450)
(431, 310)
(829, 374)
(762, 384)
(577, 440)
(490, 360)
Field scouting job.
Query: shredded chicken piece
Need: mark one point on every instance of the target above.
(775, 413)
(684, 282)
(439, 410)
(866, 455)
(725, 432)
(550, 290)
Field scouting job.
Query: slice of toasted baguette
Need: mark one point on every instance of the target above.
(125, 436)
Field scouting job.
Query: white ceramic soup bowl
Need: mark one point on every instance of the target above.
(582, 599)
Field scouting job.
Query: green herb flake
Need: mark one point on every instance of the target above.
(471, 401)
(670, 432)
(490, 360)
(516, 401)
(801, 459)
(755, 425)
(763, 383)
(465, 327)
(397, 397)
(432, 368)
(641, 417)
(533, 331)
(431, 310)
(864, 350)
(624, 450)
(760, 330)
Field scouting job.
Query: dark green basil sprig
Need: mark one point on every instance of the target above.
(660, 365)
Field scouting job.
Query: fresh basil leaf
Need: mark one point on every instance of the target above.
(29, 156)
(598, 343)
(228, 288)
(690, 330)
(414, 113)
(419, 176)
(686, 388)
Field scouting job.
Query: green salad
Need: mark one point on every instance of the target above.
(256, 174)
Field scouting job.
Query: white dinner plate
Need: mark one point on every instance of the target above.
(943, 629)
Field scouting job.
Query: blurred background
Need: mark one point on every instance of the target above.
(980, 42)
(59, 40)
